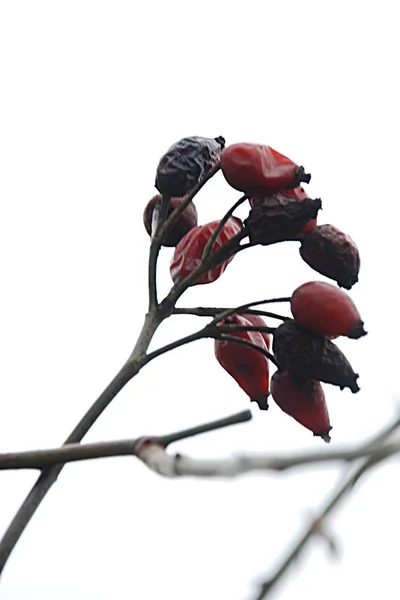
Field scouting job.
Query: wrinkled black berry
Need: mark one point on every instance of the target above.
(308, 355)
(185, 163)
(280, 218)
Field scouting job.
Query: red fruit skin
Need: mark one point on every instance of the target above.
(259, 170)
(189, 252)
(258, 321)
(305, 404)
(249, 368)
(186, 221)
(297, 193)
(326, 309)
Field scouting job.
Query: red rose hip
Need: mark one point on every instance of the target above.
(188, 253)
(248, 367)
(305, 403)
(327, 310)
(259, 170)
(258, 321)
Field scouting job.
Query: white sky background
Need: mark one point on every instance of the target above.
(92, 94)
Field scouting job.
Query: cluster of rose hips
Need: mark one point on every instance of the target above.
(280, 210)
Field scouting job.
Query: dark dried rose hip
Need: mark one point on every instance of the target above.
(278, 218)
(308, 355)
(296, 193)
(332, 253)
(185, 163)
(186, 221)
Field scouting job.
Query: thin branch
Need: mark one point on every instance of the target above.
(231, 328)
(241, 417)
(198, 335)
(243, 308)
(228, 214)
(235, 250)
(205, 311)
(377, 442)
(159, 215)
(345, 487)
(231, 467)
(210, 332)
(41, 459)
(178, 465)
(49, 476)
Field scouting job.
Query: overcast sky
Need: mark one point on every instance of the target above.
(92, 94)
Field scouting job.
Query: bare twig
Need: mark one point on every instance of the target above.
(198, 335)
(228, 214)
(241, 417)
(231, 467)
(210, 331)
(40, 459)
(159, 216)
(340, 492)
(205, 311)
(168, 465)
(243, 308)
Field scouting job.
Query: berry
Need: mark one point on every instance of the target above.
(305, 403)
(327, 310)
(332, 253)
(308, 355)
(186, 221)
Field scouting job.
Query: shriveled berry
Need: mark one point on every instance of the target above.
(186, 221)
(188, 253)
(308, 355)
(298, 194)
(185, 163)
(332, 253)
(304, 402)
(326, 309)
(279, 218)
